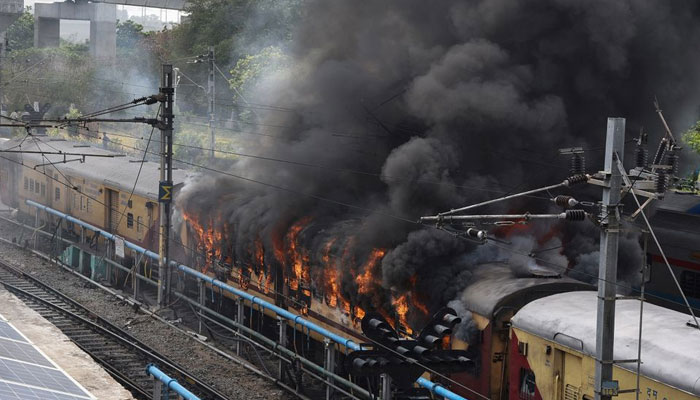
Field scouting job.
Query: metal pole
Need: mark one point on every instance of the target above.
(157, 389)
(36, 226)
(329, 364)
(386, 386)
(607, 275)
(202, 299)
(166, 179)
(211, 92)
(645, 279)
(239, 319)
(282, 342)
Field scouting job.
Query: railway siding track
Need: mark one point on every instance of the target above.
(122, 355)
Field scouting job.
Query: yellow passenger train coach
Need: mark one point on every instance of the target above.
(552, 351)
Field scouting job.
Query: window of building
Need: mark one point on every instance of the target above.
(31, 185)
(129, 220)
(129, 203)
(87, 204)
(57, 194)
(690, 283)
(43, 189)
(26, 183)
(527, 384)
(139, 223)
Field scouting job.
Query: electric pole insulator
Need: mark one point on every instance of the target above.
(577, 165)
(576, 179)
(565, 201)
(661, 182)
(575, 215)
(640, 157)
(672, 161)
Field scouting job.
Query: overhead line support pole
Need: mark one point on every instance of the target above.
(211, 91)
(166, 182)
(605, 387)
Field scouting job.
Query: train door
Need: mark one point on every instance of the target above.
(568, 376)
(573, 377)
(112, 210)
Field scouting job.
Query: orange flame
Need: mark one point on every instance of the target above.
(367, 278)
(401, 306)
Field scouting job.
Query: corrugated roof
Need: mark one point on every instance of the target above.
(670, 348)
(118, 172)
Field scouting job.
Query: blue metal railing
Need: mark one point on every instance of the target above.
(348, 343)
(170, 383)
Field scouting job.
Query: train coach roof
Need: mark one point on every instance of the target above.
(495, 288)
(118, 172)
(670, 348)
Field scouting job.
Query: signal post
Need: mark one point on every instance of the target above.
(166, 182)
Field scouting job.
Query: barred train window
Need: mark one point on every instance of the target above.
(129, 220)
(527, 384)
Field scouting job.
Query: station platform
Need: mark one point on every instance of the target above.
(38, 362)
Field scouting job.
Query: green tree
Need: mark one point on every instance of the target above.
(691, 137)
(20, 35)
(129, 33)
(246, 76)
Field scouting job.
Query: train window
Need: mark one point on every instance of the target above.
(26, 183)
(527, 384)
(690, 283)
(57, 195)
(130, 220)
(139, 223)
(31, 185)
(43, 189)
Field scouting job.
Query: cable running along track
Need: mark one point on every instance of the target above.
(123, 356)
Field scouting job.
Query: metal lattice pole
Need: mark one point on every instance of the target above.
(607, 276)
(166, 181)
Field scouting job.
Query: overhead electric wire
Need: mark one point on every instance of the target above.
(310, 165)
(138, 174)
(413, 222)
(564, 268)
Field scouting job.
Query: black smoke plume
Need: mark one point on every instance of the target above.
(450, 103)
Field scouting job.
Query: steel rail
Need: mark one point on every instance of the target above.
(106, 330)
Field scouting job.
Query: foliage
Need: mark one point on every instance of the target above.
(73, 113)
(234, 27)
(246, 76)
(692, 137)
(20, 35)
(129, 34)
(190, 152)
(60, 76)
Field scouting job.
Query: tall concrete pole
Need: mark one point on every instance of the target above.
(605, 388)
(166, 182)
(211, 92)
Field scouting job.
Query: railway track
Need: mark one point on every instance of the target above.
(123, 356)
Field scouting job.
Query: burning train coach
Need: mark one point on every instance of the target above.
(521, 322)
